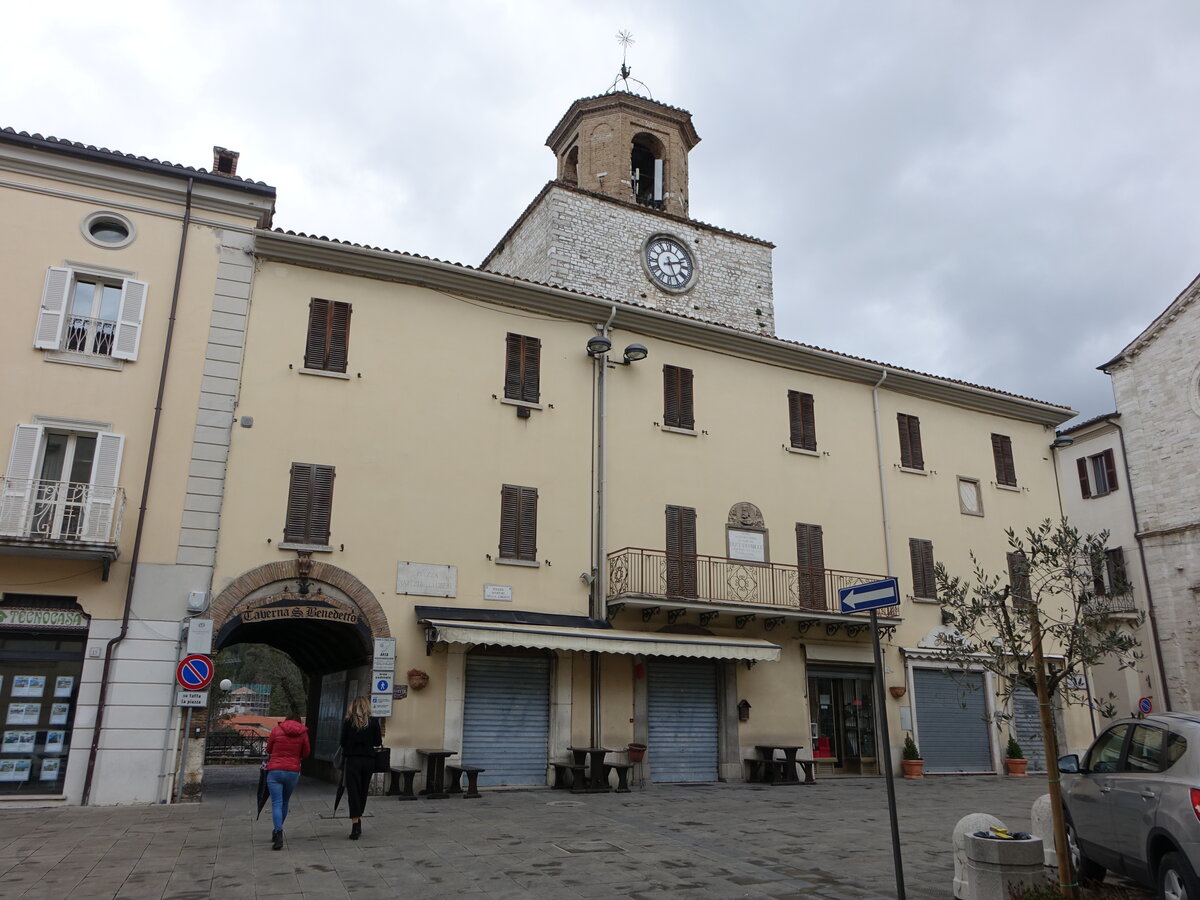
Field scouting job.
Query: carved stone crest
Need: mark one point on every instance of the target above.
(747, 515)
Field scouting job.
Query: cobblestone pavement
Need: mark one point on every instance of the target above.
(828, 840)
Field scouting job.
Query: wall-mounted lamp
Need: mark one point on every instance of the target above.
(598, 345)
(743, 709)
(1061, 442)
(634, 352)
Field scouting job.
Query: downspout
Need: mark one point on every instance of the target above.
(1137, 528)
(883, 497)
(600, 579)
(102, 702)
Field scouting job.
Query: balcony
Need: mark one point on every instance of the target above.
(60, 519)
(1119, 604)
(640, 577)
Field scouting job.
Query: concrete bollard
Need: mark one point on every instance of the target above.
(996, 870)
(967, 825)
(1043, 824)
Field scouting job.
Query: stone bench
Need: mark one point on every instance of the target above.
(395, 774)
(569, 774)
(456, 773)
(622, 770)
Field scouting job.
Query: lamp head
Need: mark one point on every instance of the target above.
(634, 352)
(1062, 441)
(598, 345)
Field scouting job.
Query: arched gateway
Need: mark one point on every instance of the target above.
(321, 616)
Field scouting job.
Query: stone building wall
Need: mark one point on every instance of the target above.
(579, 241)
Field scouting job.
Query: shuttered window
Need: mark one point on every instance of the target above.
(1018, 577)
(920, 552)
(802, 420)
(91, 314)
(522, 368)
(328, 335)
(810, 560)
(677, 398)
(1108, 573)
(1097, 474)
(681, 552)
(518, 522)
(1006, 471)
(911, 456)
(310, 504)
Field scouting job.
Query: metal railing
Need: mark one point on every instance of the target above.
(635, 570)
(1113, 603)
(34, 509)
(225, 746)
(94, 336)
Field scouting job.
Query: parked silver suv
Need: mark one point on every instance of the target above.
(1133, 804)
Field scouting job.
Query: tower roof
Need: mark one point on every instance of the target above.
(672, 115)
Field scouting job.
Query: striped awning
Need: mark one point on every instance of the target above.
(600, 640)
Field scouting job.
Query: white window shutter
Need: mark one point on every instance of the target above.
(17, 496)
(658, 179)
(53, 311)
(101, 504)
(129, 320)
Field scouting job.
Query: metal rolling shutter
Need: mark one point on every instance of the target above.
(953, 735)
(1027, 724)
(506, 718)
(682, 699)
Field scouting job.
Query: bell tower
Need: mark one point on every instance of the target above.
(628, 147)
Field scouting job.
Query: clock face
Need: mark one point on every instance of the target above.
(669, 263)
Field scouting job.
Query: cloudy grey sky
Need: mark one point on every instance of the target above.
(1002, 192)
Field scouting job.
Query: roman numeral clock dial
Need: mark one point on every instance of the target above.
(669, 263)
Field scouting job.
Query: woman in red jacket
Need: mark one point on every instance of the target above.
(287, 745)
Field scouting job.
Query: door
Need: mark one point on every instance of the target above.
(506, 718)
(65, 474)
(1087, 794)
(952, 724)
(1027, 724)
(842, 710)
(683, 720)
(1136, 791)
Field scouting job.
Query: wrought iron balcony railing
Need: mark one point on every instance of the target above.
(636, 571)
(85, 335)
(1119, 604)
(67, 512)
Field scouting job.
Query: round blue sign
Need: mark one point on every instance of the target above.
(1145, 706)
(382, 686)
(195, 673)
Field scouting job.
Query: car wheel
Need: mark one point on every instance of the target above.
(1088, 871)
(1176, 880)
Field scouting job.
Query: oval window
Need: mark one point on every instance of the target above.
(108, 229)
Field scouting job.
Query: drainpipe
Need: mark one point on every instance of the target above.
(1137, 529)
(600, 579)
(883, 496)
(102, 703)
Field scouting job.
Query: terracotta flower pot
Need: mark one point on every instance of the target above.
(637, 752)
(417, 680)
(1016, 767)
(913, 768)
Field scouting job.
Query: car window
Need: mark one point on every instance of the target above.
(1176, 745)
(1146, 749)
(1105, 755)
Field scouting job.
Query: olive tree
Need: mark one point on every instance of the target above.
(1058, 593)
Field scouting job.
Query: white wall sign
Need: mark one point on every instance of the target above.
(200, 633)
(500, 592)
(191, 698)
(385, 655)
(426, 580)
(381, 683)
(747, 545)
(381, 705)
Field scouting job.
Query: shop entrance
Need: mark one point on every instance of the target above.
(842, 710)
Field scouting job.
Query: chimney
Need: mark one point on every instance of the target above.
(225, 161)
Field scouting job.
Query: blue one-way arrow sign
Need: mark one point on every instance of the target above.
(873, 595)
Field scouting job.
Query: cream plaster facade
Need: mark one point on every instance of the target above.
(49, 190)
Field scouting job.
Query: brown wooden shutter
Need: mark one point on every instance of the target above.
(339, 337)
(1085, 486)
(1118, 579)
(310, 504)
(920, 554)
(518, 522)
(810, 560)
(681, 552)
(802, 420)
(1110, 469)
(911, 456)
(522, 368)
(316, 348)
(1018, 577)
(677, 398)
(328, 343)
(1006, 472)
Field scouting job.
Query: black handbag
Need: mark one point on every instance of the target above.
(383, 759)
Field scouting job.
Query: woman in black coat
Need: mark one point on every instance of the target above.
(361, 734)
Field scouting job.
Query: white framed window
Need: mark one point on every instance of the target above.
(61, 484)
(108, 229)
(91, 312)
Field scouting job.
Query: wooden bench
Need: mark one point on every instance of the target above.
(569, 774)
(456, 773)
(394, 776)
(622, 770)
(766, 771)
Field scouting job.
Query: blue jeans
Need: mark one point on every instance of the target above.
(280, 784)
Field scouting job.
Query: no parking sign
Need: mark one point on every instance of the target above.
(195, 673)
(1145, 706)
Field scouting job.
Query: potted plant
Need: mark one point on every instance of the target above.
(1014, 759)
(911, 761)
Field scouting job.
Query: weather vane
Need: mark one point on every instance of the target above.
(625, 38)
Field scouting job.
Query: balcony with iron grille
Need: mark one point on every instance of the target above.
(60, 519)
(735, 591)
(1117, 603)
